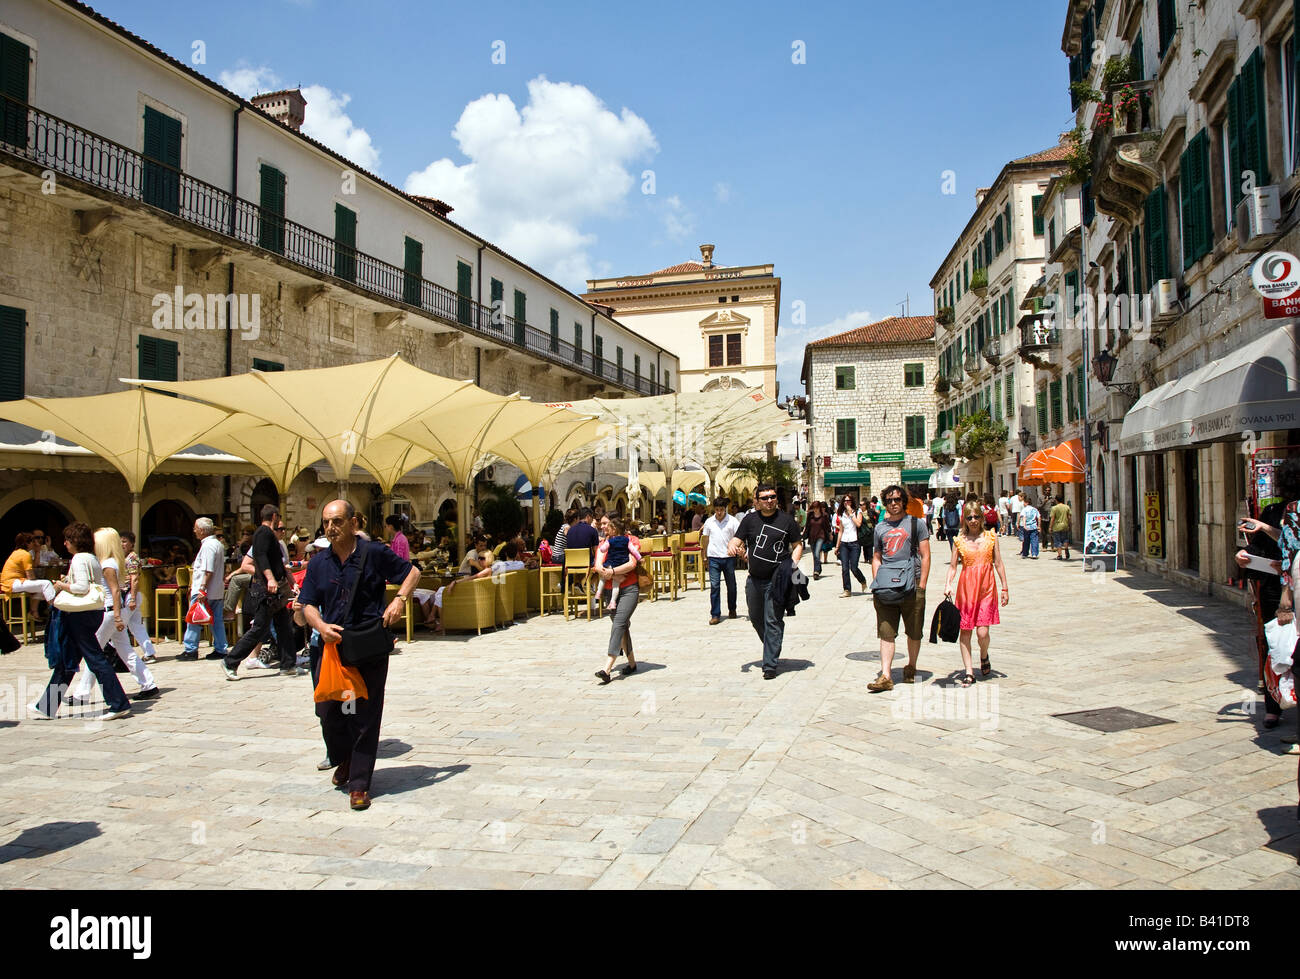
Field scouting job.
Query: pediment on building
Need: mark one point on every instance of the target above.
(725, 319)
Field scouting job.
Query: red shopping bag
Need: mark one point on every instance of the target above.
(198, 613)
(338, 682)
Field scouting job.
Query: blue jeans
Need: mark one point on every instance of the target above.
(720, 567)
(1030, 546)
(79, 630)
(850, 554)
(218, 627)
(767, 618)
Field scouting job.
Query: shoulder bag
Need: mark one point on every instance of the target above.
(369, 641)
(893, 586)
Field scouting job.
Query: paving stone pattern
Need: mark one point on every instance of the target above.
(504, 763)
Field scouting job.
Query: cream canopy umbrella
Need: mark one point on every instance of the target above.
(134, 431)
(336, 410)
(554, 433)
(279, 453)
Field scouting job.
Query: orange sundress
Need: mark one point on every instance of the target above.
(977, 592)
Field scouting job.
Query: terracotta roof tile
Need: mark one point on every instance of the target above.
(896, 329)
(682, 267)
(1045, 156)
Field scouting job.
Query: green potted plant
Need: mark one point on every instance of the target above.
(979, 435)
(979, 282)
(944, 316)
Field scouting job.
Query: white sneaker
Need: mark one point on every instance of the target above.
(113, 715)
(303, 661)
(253, 663)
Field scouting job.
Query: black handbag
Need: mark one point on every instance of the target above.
(363, 643)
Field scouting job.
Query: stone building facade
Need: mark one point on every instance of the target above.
(158, 226)
(872, 407)
(1193, 144)
(978, 289)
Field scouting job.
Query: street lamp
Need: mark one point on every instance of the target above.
(1103, 369)
(1025, 437)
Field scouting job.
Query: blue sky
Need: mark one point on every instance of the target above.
(830, 169)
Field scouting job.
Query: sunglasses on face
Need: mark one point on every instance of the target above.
(893, 499)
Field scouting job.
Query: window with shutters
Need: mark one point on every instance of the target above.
(1247, 126)
(913, 375)
(1157, 257)
(497, 294)
(15, 74)
(345, 243)
(1194, 194)
(636, 367)
(1011, 396)
(845, 378)
(160, 174)
(158, 359)
(270, 232)
(716, 354)
(668, 381)
(1038, 218)
(1041, 400)
(997, 236)
(521, 316)
(1087, 202)
(1071, 411)
(13, 353)
(270, 366)
(618, 362)
(412, 272)
(1138, 54)
(555, 331)
(577, 342)
(1081, 391)
(1135, 256)
(914, 431)
(1167, 19)
(1289, 120)
(733, 349)
(598, 351)
(846, 435)
(997, 400)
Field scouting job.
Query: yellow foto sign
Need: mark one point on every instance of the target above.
(1154, 526)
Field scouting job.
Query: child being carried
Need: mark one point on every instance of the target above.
(615, 550)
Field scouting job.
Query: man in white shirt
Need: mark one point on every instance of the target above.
(1004, 514)
(720, 529)
(1017, 504)
(207, 586)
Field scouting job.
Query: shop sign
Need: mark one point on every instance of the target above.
(1155, 535)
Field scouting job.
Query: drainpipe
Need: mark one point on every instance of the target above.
(234, 166)
(595, 367)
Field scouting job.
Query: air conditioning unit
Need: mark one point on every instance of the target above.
(1257, 217)
(1164, 302)
(591, 489)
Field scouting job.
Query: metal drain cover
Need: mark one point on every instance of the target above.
(1108, 720)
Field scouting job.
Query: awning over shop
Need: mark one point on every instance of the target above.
(1031, 470)
(1065, 463)
(1255, 388)
(847, 478)
(916, 476)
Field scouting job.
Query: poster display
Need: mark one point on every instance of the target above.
(1100, 535)
(1155, 535)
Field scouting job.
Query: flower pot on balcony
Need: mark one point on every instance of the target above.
(941, 385)
(944, 316)
(979, 282)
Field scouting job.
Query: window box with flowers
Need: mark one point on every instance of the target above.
(979, 282)
(944, 316)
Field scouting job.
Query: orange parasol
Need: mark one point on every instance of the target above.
(1065, 463)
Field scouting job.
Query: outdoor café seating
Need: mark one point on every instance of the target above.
(470, 605)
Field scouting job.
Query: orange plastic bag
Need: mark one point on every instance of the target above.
(338, 682)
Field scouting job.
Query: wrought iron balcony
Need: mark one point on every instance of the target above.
(43, 141)
(973, 364)
(1038, 343)
(992, 351)
(955, 377)
(1123, 151)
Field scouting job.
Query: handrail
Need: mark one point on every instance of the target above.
(34, 135)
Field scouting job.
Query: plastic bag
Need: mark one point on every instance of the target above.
(1278, 677)
(198, 613)
(336, 681)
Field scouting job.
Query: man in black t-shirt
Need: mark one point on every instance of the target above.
(767, 536)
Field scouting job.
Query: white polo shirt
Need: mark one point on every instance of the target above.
(720, 534)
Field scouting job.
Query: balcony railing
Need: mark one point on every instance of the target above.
(1037, 336)
(973, 364)
(1124, 165)
(56, 144)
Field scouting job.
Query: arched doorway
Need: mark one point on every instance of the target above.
(263, 493)
(30, 515)
(163, 526)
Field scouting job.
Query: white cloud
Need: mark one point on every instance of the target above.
(791, 340)
(679, 222)
(722, 192)
(324, 120)
(535, 174)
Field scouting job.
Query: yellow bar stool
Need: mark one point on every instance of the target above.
(576, 580)
(20, 619)
(545, 574)
(690, 560)
(662, 565)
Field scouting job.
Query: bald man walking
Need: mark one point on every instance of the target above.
(344, 589)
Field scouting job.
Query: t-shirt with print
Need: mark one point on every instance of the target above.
(1029, 517)
(768, 541)
(212, 559)
(893, 542)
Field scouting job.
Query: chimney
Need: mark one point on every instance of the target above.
(980, 194)
(287, 107)
(706, 253)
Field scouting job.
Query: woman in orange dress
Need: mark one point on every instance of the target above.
(975, 558)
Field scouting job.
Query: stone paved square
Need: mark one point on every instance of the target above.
(504, 764)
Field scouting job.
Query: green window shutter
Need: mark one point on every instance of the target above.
(1254, 117)
(636, 367)
(1071, 414)
(577, 343)
(846, 435)
(915, 431)
(345, 243)
(598, 345)
(1138, 54)
(1186, 192)
(618, 362)
(498, 298)
(270, 233)
(1008, 223)
(555, 331)
(1156, 249)
(269, 366)
(15, 66)
(160, 183)
(1200, 153)
(1038, 218)
(1135, 256)
(1042, 412)
(1167, 20)
(464, 294)
(158, 359)
(1011, 398)
(13, 353)
(413, 272)
(521, 316)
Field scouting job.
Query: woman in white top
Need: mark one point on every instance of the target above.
(850, 547)
(78, 630)
(108, 551)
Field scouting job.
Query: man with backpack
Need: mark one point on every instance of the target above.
(951, 518)
(900, 567)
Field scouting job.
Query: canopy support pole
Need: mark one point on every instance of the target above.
(463, 518)
(135, 519)
(537, 512)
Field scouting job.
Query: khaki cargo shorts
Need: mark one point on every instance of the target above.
(911, 612)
